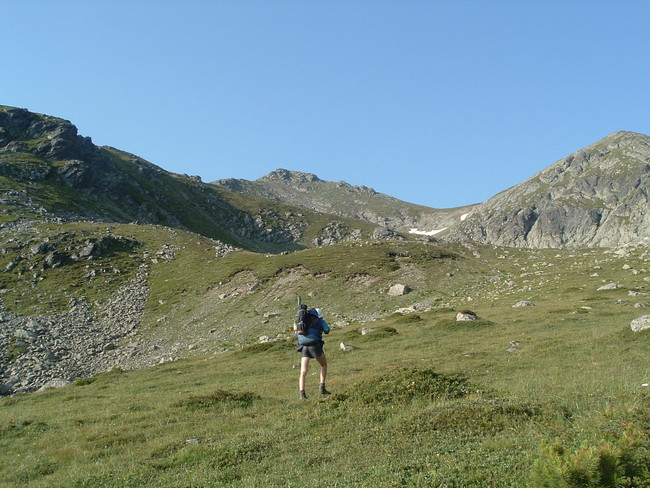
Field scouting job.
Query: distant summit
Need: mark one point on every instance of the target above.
(292, 176)
(342, 199)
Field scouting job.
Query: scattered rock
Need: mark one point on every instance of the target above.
(465, 317)
(610, 286)
(346, 347)
(73, 344)
(642, 323)
(523, 303)
(366, 330)
(398, 290)
(407, 310)
(55, 383)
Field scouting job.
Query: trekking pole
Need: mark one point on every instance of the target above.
(295, 324)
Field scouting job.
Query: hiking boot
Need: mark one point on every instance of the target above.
(303, 395)
(322, 390)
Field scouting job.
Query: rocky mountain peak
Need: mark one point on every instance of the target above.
(597, 196)
(290, 176)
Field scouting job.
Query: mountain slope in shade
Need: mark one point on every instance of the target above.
(597, 196)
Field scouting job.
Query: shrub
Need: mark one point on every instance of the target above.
(218, 399)
(619, 464)
(403, 385)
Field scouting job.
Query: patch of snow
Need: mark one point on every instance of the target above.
(425, 233)
(463, 217)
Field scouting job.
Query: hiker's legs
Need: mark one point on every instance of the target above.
(323, 367)
(304, 366)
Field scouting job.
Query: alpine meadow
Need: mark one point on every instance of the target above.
(146, 325)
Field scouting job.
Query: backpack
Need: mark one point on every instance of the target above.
(305, 320)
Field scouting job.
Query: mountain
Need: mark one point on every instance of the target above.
(597, 196)
(49, 172)
(340, 198)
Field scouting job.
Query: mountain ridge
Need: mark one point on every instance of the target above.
(309, 191)
(596, 196)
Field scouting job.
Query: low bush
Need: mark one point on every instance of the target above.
(403, 385)
(217, 399)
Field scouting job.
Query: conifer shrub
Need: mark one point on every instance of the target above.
(621, 463)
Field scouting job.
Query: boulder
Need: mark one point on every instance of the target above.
(523, 303)
(609, 286)
(398, 290)
(642, 323)
(465, 317)
(55, 383)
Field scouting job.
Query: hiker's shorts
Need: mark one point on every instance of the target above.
(313, 352)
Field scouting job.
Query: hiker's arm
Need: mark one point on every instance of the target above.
(325, 328)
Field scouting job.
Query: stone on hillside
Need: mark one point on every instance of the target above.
(465, 317)
(609, 286)
(633, 293)
(642, 323)
(55, 383)
(398, 290)
(25, 334)
(523, 303)
(367, 330)
(406, 310)
(346, 347)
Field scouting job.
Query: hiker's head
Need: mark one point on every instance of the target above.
(319, 313)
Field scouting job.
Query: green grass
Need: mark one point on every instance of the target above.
(421, 401)
(432, 405)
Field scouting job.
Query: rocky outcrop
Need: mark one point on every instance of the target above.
(597, 196)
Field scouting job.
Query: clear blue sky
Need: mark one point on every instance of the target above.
(437, 103)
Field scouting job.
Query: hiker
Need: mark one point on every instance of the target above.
(310, 345)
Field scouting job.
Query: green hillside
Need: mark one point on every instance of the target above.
(547, 395)
(168, 305)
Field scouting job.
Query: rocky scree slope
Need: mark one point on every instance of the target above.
(52, 350)
(48, 171)
(597, 196)
(340, 198)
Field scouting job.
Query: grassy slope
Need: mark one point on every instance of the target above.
(234, 418)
